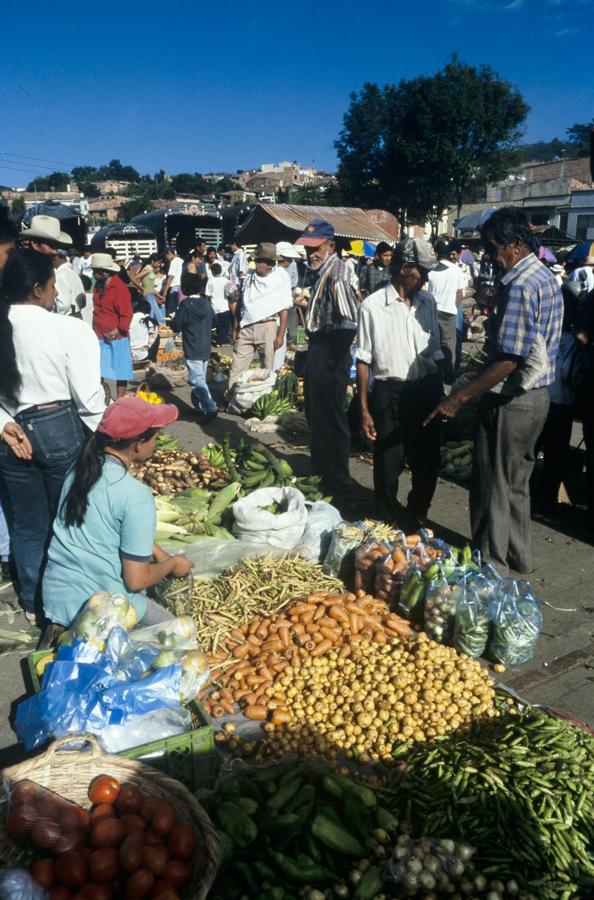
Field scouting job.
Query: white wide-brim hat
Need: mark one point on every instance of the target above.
(287, 250)
(45, 228)
(104, 262)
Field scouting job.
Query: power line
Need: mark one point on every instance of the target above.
(58, 162)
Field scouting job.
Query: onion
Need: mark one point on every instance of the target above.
(465, 852)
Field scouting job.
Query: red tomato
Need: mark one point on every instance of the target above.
(182, 842)
(155, 859)
(129, 799)
(97, 891)
(71, 868)
(103, 864)
(109, 833)
(84, 818)
(46, 835)
(164, 819)
(130, 853)
(42, 870)
(51, 806)
(75, 818)
(139, 884)
(133, 822)
(20, 821)
(60, 893)
(71, 840)
(25, 792)
(177, 873)
(151, 838)
(164, 891)
(102, 811)
(104, 789)
(149, 807)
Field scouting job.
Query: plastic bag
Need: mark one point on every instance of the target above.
(212, 557)
(345, 538)
(254, 524)
(517, 622)
(152, 726)
(17, 884)
(427, 865)
(392, 573)
(99, 614)
(175, 634)
(472, 620)
(366, 557)
(249, 386)
(441, 599)
(315, 540)
(408, 591)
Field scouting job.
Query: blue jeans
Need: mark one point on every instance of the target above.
(201, 396)
(31, 490)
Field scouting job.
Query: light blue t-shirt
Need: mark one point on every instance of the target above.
(119, 524)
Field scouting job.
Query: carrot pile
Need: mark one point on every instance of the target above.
(250, 660)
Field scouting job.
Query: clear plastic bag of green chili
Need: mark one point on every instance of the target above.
(471, 619)
(517, 622)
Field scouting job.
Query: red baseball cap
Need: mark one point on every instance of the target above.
(131, 416)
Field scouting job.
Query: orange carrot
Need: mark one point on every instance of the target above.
(322, 648)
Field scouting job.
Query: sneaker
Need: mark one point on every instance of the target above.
(208, 417)
(30, 617)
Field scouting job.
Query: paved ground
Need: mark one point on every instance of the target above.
(560, 675)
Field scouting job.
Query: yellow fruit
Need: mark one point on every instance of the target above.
(42, 664)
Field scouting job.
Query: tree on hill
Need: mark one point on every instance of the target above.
(579, 138)
(425, 144)
(57, 181)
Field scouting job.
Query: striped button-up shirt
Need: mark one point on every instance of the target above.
(397, 340)
(529, 302)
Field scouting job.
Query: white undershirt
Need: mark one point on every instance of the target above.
(444, 284)
(58, 359)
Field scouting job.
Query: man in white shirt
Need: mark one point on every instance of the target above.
(238, 268)
(398, 341)
(215, 289)
(173, 280)
(71, 297)
(260, 318)
(447, 283)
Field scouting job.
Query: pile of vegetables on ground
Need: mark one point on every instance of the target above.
(171, 471)
(456, 460)
(127, 845)
(295, 829)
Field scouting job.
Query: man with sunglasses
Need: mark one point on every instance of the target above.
(522, 342)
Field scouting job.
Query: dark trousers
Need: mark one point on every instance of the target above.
(504, 454)
(32, 489)
(554, 442)
(327, 367)
(447, 331)
(399, 409)
(588, 425)
(172, 301)
(223, 327)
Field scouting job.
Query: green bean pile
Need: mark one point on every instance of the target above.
(520, 789)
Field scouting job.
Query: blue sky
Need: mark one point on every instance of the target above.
(194, 86)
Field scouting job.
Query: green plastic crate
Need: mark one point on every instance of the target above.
(189, 757)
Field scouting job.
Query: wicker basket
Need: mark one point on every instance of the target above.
(69, 772)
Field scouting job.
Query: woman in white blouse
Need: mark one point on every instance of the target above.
(50, 386)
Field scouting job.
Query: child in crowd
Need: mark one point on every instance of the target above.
(144, 339)
(194, 319)
(215, 289)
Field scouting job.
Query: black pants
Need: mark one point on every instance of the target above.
(223, 326)
(504, 454)
(447, 332)
(554, 442)
(327, 367)
(399, 409)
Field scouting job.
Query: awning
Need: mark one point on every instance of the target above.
(474, 220)
(283, 221)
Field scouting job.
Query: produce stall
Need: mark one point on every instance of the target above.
(363, 747)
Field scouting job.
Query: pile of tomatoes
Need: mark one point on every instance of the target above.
(128, 845)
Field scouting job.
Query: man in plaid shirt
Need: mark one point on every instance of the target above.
(522, 343)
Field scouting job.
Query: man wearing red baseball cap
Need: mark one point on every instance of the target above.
(103, 537)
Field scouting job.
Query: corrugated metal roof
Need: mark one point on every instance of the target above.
(349, 222)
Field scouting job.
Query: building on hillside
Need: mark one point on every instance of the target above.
(71, 198)
(106, 209)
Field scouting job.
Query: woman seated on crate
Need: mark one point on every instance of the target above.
(103, 533)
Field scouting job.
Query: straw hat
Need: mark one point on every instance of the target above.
(104, 262)
(45, 228)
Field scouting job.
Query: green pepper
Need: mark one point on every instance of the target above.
(304, 797)
(386, 820)
(365, 794)
(272, 773)
(357, 815)
(247, 804)
(335, 837)
(370, 884)
(301, 874)
(241, 829)
(330, 813)
(225, 847)
(312, 847)
(286, 791)
(332, 787)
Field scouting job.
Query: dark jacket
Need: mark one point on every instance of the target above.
(373, 277)
(195, 319)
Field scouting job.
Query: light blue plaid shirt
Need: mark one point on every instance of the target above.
(529, 301)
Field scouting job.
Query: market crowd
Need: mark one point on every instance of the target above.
(71, 322)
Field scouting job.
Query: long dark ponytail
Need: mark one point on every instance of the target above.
(87, 473)
(22, 272)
